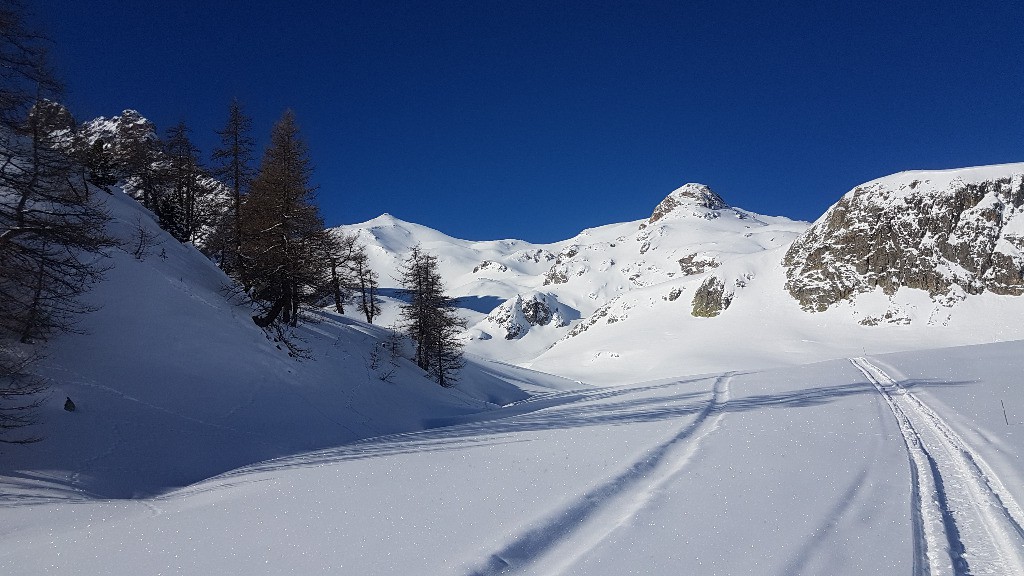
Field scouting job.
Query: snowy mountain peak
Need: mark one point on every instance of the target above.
(117, 131)
(689, 199)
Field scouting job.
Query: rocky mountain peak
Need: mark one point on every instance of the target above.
(945, 232)
(689, 199)
(119, 132)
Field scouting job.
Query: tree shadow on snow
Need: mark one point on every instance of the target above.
(481, 304)
(574, 410)
(614, 406)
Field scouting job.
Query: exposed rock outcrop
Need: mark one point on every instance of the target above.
(516, 315)
(537, 255)
(685, 199)
(491, 266)
(931, 231)
(558, 274)
(711, 298)
(690, 264)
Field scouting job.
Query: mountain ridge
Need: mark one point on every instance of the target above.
(700, 273)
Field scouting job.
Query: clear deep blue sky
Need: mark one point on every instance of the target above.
(535, 120)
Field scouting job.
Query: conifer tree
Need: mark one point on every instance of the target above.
(99, 163)
(50, 226)
(186, 207)
(351, 276)
(342, 251)
(430, 319)
(233, 166)
(50, 233)
(284, 242)
(367, 281)
(140, 163)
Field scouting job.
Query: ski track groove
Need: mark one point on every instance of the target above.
(568, 534)
(965, 521)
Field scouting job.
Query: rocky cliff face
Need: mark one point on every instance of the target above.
(942, 232)
(121, 132)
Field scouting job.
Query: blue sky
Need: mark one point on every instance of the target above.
(535, 120)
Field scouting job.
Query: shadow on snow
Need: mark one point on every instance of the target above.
(616, 406)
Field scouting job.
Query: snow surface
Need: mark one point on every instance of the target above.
(790, 471)
(174, 384)
(763, 441)
(924, 181)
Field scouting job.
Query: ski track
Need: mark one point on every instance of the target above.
(965, 521)
(568, 534)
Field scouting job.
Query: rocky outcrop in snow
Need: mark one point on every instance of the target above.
(516, 315)
(690, 264)
(535, 255)
(121, 132)
(711, 298)
(932, 231)
(490, 266)
(684, 199)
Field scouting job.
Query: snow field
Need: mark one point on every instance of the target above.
(970, 523)
(799, 470)
(200, 447)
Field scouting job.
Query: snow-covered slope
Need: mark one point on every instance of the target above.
(864, 464)
(684, 290)
(173, 383)
(818, 469)
(689, 232)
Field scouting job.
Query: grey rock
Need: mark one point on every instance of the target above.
(919, 238)
(690, 264)
(688, 195)
(711, 298)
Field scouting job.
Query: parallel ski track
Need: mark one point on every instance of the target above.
(965, 521)
(568, 534)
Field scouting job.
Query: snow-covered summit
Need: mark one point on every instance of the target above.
(501, 284)
(925, 182)
(690, 199)
(699, 274)
(116, 130)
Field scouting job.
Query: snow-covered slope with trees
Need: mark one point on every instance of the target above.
(690, 232)
(200, 445)
(173, 383)
(699, 280)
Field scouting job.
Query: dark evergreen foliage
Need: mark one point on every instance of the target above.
(367, 281)
(190, 202)
(99, 164)
(430, 319)
(233, 166)
(284, 245)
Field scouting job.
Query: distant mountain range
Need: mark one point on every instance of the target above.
(906, 261)
(912, 260)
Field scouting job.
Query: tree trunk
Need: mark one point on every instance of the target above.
(272, 314)
(336, 286)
